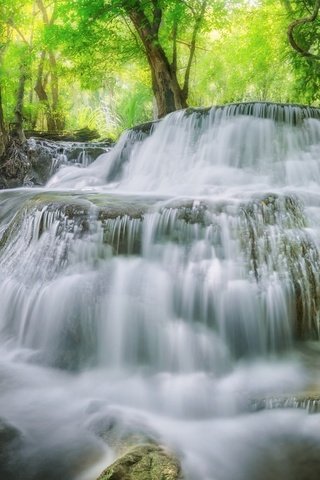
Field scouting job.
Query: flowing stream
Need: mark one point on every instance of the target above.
(170, 292)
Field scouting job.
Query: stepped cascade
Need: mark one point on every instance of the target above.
(170, 291)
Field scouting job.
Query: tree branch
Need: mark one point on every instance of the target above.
(14, 26)
(132, 33)
(174, 48)
(40, 69)
(157, 17)
(189, 6)
(140, 22)
(43, 11)
(54, 12)
(299, 22)
(197, 25)
(187, 44)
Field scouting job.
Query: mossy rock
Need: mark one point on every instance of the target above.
(144, 462)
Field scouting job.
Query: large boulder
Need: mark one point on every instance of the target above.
(144, 462)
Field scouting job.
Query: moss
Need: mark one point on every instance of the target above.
(144, 462)
(145, 128)
(273, 234)
(11, 230)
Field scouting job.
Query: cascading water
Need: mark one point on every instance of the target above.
(161, 291)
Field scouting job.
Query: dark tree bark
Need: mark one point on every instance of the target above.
(166, 88)
(43, 96)
(17, 126)
(169, 95)
(3, 131)
(41, 92)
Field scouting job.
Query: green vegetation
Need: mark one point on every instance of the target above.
(110, 64)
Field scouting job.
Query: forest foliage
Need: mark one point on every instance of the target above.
(110, 64)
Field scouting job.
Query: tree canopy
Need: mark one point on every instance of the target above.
(109, 64)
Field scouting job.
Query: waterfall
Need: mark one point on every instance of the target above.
(252, 146)
(168, 289)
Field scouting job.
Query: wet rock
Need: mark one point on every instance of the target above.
(110, 221)
(134, 136)
(34, 162)
(289, 457)
(307, 401)
(76, 152)
(274, 238)
(144, 462)
(40, 157)
(10, 442)
(292, 114)
(14, 165)
(119, 220)
(195, 214)
(8, 434)
(47, 156)
(145, 127)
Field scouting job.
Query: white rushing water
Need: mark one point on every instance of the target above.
(159, 292)
(206, 154)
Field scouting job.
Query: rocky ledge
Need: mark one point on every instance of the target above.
(37, 159)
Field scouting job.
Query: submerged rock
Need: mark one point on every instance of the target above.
(275, 238)
(305, 401)
(144, 462)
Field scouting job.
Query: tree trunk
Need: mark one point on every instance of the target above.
(3, 131)
(55, 121)
(59, 121)
(42, 95)
(166, 89)
(17, 128)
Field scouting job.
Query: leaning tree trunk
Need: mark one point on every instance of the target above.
(166, 89)
(17, 127)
